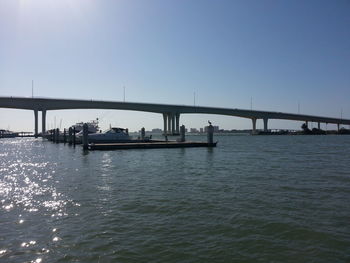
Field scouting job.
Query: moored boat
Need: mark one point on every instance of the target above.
(114, 134)
(8, 134)
(92, 126)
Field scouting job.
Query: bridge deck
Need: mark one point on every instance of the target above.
(44, 104)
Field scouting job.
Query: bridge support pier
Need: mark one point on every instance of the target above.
(36, 123)
(43, 122)
(254, 126)
(169, 124)
(172, 124)
(265, 124)
(319, 125)
(177, 130)
(165, 130)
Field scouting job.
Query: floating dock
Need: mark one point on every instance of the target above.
(148, 145)
(143, 143)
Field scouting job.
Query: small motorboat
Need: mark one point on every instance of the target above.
(8, 134)
(111, 135)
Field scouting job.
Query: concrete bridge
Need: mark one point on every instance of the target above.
(171, 113)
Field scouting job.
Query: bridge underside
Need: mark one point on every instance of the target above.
(171, 123)
(171, 113)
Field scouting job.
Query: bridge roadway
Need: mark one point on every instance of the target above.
(171, 113)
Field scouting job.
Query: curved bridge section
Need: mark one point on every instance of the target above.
(171, 113)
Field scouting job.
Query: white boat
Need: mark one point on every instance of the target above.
(92, 126)
(8, 134)
(111, 135)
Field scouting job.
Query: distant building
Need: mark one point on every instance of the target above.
(193, 130)
(201, 130)
(157, 130)
(216, 129)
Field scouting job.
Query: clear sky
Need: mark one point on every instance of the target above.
(279, 53)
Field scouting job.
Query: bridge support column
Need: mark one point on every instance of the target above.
(338, 126)
(254, 126)
(36, 123)
(319, 125)
(172, 124)
(43, 122)
(265, 124)
(165, 130)
(169, 124)
(177, 123)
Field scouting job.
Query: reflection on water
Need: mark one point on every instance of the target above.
(29, 198)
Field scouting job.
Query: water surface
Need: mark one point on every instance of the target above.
(251, 199)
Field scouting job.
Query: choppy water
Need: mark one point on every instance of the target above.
(251, 199)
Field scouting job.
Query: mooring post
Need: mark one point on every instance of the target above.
(53, 135)
(64, 135)
(57, 135)
(143, 133)
(70, 139)
(210, 134)
(85, 136)
(182, 133)
(74, 139)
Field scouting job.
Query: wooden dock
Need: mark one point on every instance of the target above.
(148, 145)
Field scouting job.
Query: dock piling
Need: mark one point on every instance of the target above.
(143, 133)
(85, 136)
(64, 135)
(210, 134)
(57, 138)
(74, 139)
(70, 139)
(182, 133)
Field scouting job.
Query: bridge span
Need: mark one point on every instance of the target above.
(171, 113)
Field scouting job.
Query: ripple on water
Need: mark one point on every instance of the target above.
(268, 199)
(29, 200)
